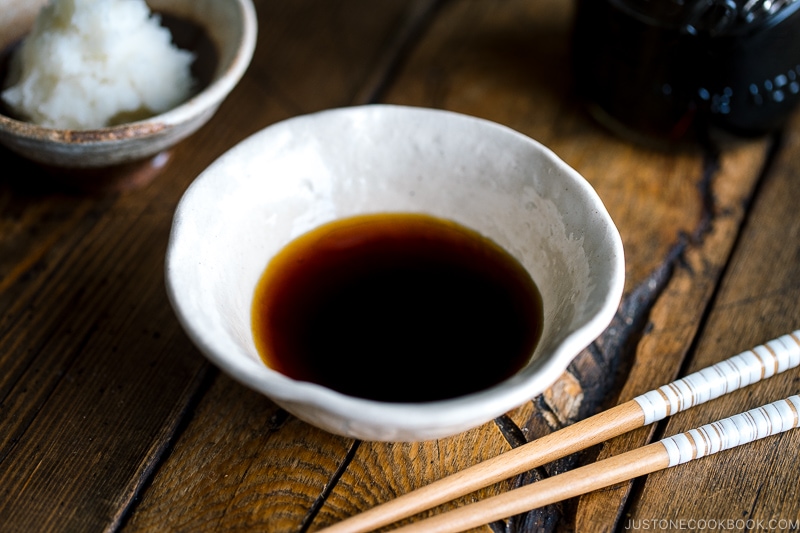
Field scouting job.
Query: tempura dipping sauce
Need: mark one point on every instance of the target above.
(396, 308)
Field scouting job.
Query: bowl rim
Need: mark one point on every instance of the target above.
(422, 417)
(209, 97)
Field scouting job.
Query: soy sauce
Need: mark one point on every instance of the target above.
(396, 308)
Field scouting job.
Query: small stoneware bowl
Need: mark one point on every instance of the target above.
(221, 34)
(296, 175)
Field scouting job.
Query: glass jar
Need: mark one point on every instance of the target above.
(673, 70)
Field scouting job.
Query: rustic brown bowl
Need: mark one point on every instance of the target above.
(222, 35)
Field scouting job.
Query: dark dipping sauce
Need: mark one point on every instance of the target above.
(396, 308)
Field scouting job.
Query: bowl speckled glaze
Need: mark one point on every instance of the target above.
(228, 25)
(298, 174)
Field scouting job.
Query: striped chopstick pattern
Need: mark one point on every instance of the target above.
(749, 426)
(712, 382)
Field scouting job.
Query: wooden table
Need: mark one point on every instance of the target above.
(111, 420)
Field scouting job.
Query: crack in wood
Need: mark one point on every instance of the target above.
(47, 391)
(204, 380)
(277, 420)
(308, 519)
(613, 351)
(498, 527)
(511, 431)
(421, 14)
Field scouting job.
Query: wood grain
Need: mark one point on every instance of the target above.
(678, 212)
(111, 420)
(741, 429)
(494, 470)
(745, 484)
(275, 476)
(254, 467)
(96, 373)
(689, 289)
(380, 472)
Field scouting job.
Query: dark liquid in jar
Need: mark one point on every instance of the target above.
(649, 74)
(396, 308)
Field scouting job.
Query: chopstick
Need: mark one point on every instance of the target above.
(761, 362)
(743, 428)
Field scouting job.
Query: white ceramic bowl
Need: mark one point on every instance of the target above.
(296, 175)
(231, 27)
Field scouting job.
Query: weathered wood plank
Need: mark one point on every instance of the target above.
(381, 471)
(678, 313)
(79, 426)
(263, 474)
(96, 373)
(241, 463)
(505, 62)
(758, 482)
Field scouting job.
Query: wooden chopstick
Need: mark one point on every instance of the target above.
(761, 362)
(743, 428)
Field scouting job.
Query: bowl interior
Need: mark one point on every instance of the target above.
(212, 29)
(17, 19)
(299, 174)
